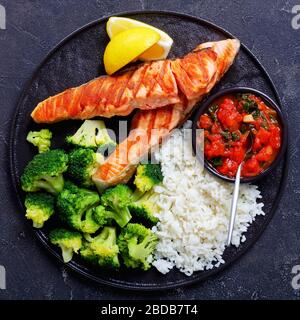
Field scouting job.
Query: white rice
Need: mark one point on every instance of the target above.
(195, 211)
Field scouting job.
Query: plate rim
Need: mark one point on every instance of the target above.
(73, 266)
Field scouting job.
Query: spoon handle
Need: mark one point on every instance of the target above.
(234, 203)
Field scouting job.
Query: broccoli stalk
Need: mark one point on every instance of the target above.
(104, 217)
(40, 139)
(136, 244)
(51, 184)
(92, 134)
(68, 241)
(145, 208)
(75, 206)
(147, 176)
(102, 249)
(82, 165)
(45, 171)
(117, 200)
(39, 208)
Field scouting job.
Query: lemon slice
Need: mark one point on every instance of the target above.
(160, 50)
(127, 46)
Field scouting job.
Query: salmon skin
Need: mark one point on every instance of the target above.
(195, 76)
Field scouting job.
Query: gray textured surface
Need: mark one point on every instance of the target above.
(34, 27)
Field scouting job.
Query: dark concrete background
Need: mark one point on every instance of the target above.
(33, 28)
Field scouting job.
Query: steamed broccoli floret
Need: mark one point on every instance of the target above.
(40, 139)
(68, 241)
(104, 217)
(117, 200)
(136, 244)
(82, 165)
(87, 254)
(44, 171)
(145, 208)
(89, 224)
(92, 134)
(147, 176)
(75, 207)
(39, 208)
(102, 249)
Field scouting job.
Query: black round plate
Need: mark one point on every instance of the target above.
(76, 60)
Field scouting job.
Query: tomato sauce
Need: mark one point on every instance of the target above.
(240, 128)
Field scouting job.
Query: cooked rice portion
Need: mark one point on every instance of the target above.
(195, 209)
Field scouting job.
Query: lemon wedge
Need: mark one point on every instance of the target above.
(127, 46)
(160, 50)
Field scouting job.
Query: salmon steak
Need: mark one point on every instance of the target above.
(195, 76)
(148, 86)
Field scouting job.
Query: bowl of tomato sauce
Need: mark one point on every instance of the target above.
(240, 125)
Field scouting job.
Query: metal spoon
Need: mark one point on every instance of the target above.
(236, 190)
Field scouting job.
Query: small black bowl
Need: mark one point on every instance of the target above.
(270, 103)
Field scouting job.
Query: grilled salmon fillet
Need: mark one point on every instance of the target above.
(148, 86)
(195, 78)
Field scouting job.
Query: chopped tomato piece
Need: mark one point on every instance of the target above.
(228, 115)
(257, 145)
(238, 154)
(251, 167)
(263, 135)
(265, 154)
(205, 122)
(228, 168)
(275, 139)
(215, 137)
(215, 128)
(215, 149)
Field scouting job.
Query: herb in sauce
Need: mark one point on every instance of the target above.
(226, 135)
(212, 111)
(235, 136)
(256, 114)
(217, 162)
(273, 119)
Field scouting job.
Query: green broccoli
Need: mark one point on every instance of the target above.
(44, 171)
(92, 134)
(104, 217)
(89, 224)
(40, 139)
(87, 254)
(145, 208)
(102, 249)
(39, 208)
(82, 165)
(136, 244)
(75, 207)
(147, 176)
(68, 241)
(117, 200)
